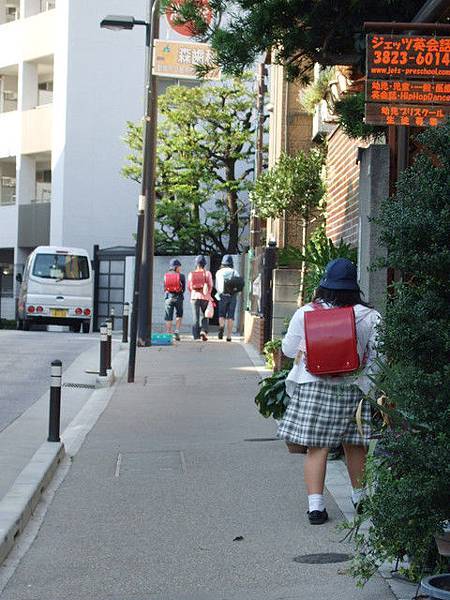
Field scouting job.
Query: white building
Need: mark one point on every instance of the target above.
(67, 88)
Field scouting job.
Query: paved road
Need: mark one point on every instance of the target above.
(25, 357)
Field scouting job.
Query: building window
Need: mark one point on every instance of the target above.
(43, 185)
(7, 191)
(12, 13)
(47, 5)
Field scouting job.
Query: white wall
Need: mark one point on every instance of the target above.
(8, 229)
(102, 88)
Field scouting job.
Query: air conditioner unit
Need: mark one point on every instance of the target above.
(12, 13)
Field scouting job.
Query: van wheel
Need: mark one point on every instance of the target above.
(86, 326)
(75, 327)
(19, 325)
(26, 325)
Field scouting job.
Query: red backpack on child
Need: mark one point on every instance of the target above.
(172, 282)
(198, 280)
(331, 346)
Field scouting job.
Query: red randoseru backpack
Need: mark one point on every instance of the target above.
(172, 283)
(331, 347)
(198, 280)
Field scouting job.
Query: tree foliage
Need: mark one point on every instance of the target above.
(205, 147)
(294, 185)
(302, 31)
(349, 111)
(319, 251)
(410, 475)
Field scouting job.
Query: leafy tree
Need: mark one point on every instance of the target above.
(293, 186)
(319, 251)
(409, 475)
(302, 31)
(205, 147)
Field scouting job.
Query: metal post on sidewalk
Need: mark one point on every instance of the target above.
(109, 344)
(103, 349)
(112, 316)
(55, 401)
(125, 317)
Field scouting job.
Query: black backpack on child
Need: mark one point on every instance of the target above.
(233, 285)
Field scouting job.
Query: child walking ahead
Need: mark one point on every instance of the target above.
(200, 284)
(174, 288)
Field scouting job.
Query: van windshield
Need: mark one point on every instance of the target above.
(61, 266)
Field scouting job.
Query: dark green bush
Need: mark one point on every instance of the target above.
(272, 398)
(410, 474)
(350, 115)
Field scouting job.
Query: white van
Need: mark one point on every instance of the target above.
(56, 289)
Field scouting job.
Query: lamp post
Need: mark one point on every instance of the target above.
(141, 315)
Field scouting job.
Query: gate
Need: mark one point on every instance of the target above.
(109, 283)
(260, 294)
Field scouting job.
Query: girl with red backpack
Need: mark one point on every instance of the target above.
(200, 284)
(174, 288)
(334, 343)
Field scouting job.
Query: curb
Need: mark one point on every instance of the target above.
(108, 381)
(18, 504)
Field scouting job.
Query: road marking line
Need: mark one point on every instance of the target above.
(183, 461)
(118, 463)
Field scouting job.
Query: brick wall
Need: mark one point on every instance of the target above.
(254, 331)
(342, 187)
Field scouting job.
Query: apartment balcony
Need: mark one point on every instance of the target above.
(37, 129)
(28, 39)
(9, 134)
(34, 224)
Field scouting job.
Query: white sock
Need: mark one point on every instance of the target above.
(358, 494)
(316, 502)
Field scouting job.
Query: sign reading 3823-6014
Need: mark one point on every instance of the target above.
(408, 57)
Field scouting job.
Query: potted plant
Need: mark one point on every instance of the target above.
(437, 586)
(272, 350)
(272, 401)
(443, 540)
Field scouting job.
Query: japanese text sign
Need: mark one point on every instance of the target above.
(408, 57)
(408, 80)
(414, 92)
(408, 114)
(179, 59)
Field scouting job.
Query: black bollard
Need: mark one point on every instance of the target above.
(55, 401)
(103, 349)
(109, 344)
(125, 317)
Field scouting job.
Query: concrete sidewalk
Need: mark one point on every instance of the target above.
(179, 465)
(20, 440)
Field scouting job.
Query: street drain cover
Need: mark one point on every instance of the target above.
(261, 440)
(322, 559)
(83, 386)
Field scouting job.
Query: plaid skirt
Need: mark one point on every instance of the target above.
(323, 415)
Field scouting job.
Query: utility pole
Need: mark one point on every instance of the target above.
(148, 190)
(255, 221)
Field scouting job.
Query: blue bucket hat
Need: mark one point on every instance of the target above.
(174, 263)
(227, 260)
(200, 261)
(340, 274)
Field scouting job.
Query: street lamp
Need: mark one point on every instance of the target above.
(143, 275)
